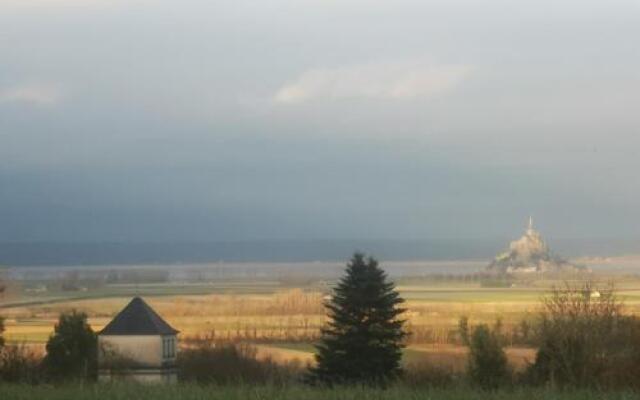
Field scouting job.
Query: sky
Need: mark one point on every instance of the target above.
(208, 120)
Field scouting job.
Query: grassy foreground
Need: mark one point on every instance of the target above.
(133, 391)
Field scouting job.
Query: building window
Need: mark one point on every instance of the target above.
(168, 347)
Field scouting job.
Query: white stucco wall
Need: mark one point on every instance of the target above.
(143, 350)
(141, 376)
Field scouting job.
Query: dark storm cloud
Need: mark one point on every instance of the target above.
(155, 120)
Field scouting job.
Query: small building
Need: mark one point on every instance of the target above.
(139, 345)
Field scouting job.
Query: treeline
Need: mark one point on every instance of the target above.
(521, 333)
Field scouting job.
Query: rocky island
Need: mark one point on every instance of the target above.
(530, 254)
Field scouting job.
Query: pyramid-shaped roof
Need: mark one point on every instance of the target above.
(138, 318)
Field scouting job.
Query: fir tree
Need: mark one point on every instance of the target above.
(362, 342)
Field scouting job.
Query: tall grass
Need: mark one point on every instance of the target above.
(296, 392)
(211, 362)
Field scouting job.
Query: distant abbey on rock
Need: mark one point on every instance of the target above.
(529, 254)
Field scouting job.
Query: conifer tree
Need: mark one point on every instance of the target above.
(362, 342)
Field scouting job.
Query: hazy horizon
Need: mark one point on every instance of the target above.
(106, 253)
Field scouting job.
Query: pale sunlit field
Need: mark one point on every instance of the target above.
(284, 319)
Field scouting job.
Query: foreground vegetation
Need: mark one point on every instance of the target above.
(582, 337)
(295, 392)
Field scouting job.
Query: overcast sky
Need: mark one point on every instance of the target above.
(157, 120)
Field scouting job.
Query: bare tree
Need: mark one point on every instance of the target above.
(584, 338)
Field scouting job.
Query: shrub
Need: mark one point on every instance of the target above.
(487, 360)
(463, 329)
(585, 341)
(1, 333)
(18, 364)
(72, 349)
(231, 363)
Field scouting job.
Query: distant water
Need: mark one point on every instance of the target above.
(21, 254)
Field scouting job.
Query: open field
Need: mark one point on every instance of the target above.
(277, 312)
(272, 313)
(295, 392)
(447, 357)
(283, 314)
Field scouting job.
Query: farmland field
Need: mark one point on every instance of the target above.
(281, 312)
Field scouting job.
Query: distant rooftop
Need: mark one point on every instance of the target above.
(138, 318)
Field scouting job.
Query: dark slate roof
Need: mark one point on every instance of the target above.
(138, 318)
